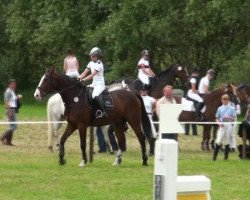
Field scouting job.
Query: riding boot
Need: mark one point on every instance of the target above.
(9, 139)
(226, 153)
(5, 137)
(216, 150)
(197, 114)
(100, 107)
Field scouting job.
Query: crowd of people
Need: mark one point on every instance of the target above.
(225, 116)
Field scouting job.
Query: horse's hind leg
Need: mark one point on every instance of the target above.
(206, 137)
(121, 143)
(136, 126)
(69, 130)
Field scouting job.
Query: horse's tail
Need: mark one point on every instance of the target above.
(146, 124)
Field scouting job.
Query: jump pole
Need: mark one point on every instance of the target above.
(167, 184)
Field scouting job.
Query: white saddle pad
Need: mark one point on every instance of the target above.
(189, 105)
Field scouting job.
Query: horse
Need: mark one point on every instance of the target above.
(128, 107)
(55, 113)
(212, 101)
(165, 77)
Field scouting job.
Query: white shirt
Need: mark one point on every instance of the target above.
(148, 103)
(98, 79)
(204, 82)
(11, 97)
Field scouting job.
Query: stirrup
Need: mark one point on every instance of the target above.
(99, 114)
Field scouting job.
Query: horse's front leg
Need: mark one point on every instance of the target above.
(69, 130)
(82, 133)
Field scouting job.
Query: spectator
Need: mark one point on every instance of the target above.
(225, 113)
(150, 104)
(10, 104)
(166, 99)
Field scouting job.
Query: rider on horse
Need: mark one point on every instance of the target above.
(203, 90)
(145, 73)
(97, 70)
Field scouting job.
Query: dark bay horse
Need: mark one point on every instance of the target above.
(165, 77)
(128, 107)
(212, 101)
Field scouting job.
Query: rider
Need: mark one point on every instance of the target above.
(204, 89)
(193, 92)
(97, 69)
(145, 72)
(71, 65)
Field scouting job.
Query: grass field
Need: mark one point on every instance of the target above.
(29, 171)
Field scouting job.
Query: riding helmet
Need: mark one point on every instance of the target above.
(144, 52)
(211, 72)
(95, 52)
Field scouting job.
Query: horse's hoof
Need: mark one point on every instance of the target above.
(145, 163)
(82, 164)
(62, 162)
(117, 162)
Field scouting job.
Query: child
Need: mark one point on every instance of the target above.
(225, 113)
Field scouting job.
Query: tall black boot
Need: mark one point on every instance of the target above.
(100, 112)
(226, 153)
(216, 150)
(198, 108)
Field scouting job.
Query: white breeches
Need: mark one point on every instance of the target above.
(98, 90)
(224, 134)
(233, 137)
(154, 133)
(194, 96)
(144, 78)
(73, 74)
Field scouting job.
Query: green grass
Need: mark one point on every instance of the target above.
(28, 171)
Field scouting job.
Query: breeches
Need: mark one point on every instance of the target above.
(98, 90)
(11, 118)
(144, 79)
(194, 96)
(73, 74)
(224, 134)
(154, 133)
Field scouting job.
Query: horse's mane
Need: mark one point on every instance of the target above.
(72, 81)
(166, 71)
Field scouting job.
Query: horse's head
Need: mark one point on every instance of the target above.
(241, 93)
(180, 73)
(46, 85)
(237, 94)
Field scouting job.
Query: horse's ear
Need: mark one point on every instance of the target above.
(50, 70)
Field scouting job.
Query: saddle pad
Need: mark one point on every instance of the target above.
(189, 105)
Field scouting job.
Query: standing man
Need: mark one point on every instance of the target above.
(10, 104)
(166, 99)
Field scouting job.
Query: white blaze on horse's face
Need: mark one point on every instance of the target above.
(37, 94)
(179, 68)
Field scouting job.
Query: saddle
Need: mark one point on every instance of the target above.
(140, 85)
(104, 98)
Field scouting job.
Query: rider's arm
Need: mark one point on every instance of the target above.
(65, 65)
(84, 73)
(206, 89)
(89, 77)
(193, 87)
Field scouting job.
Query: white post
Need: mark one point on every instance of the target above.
(165, 171)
